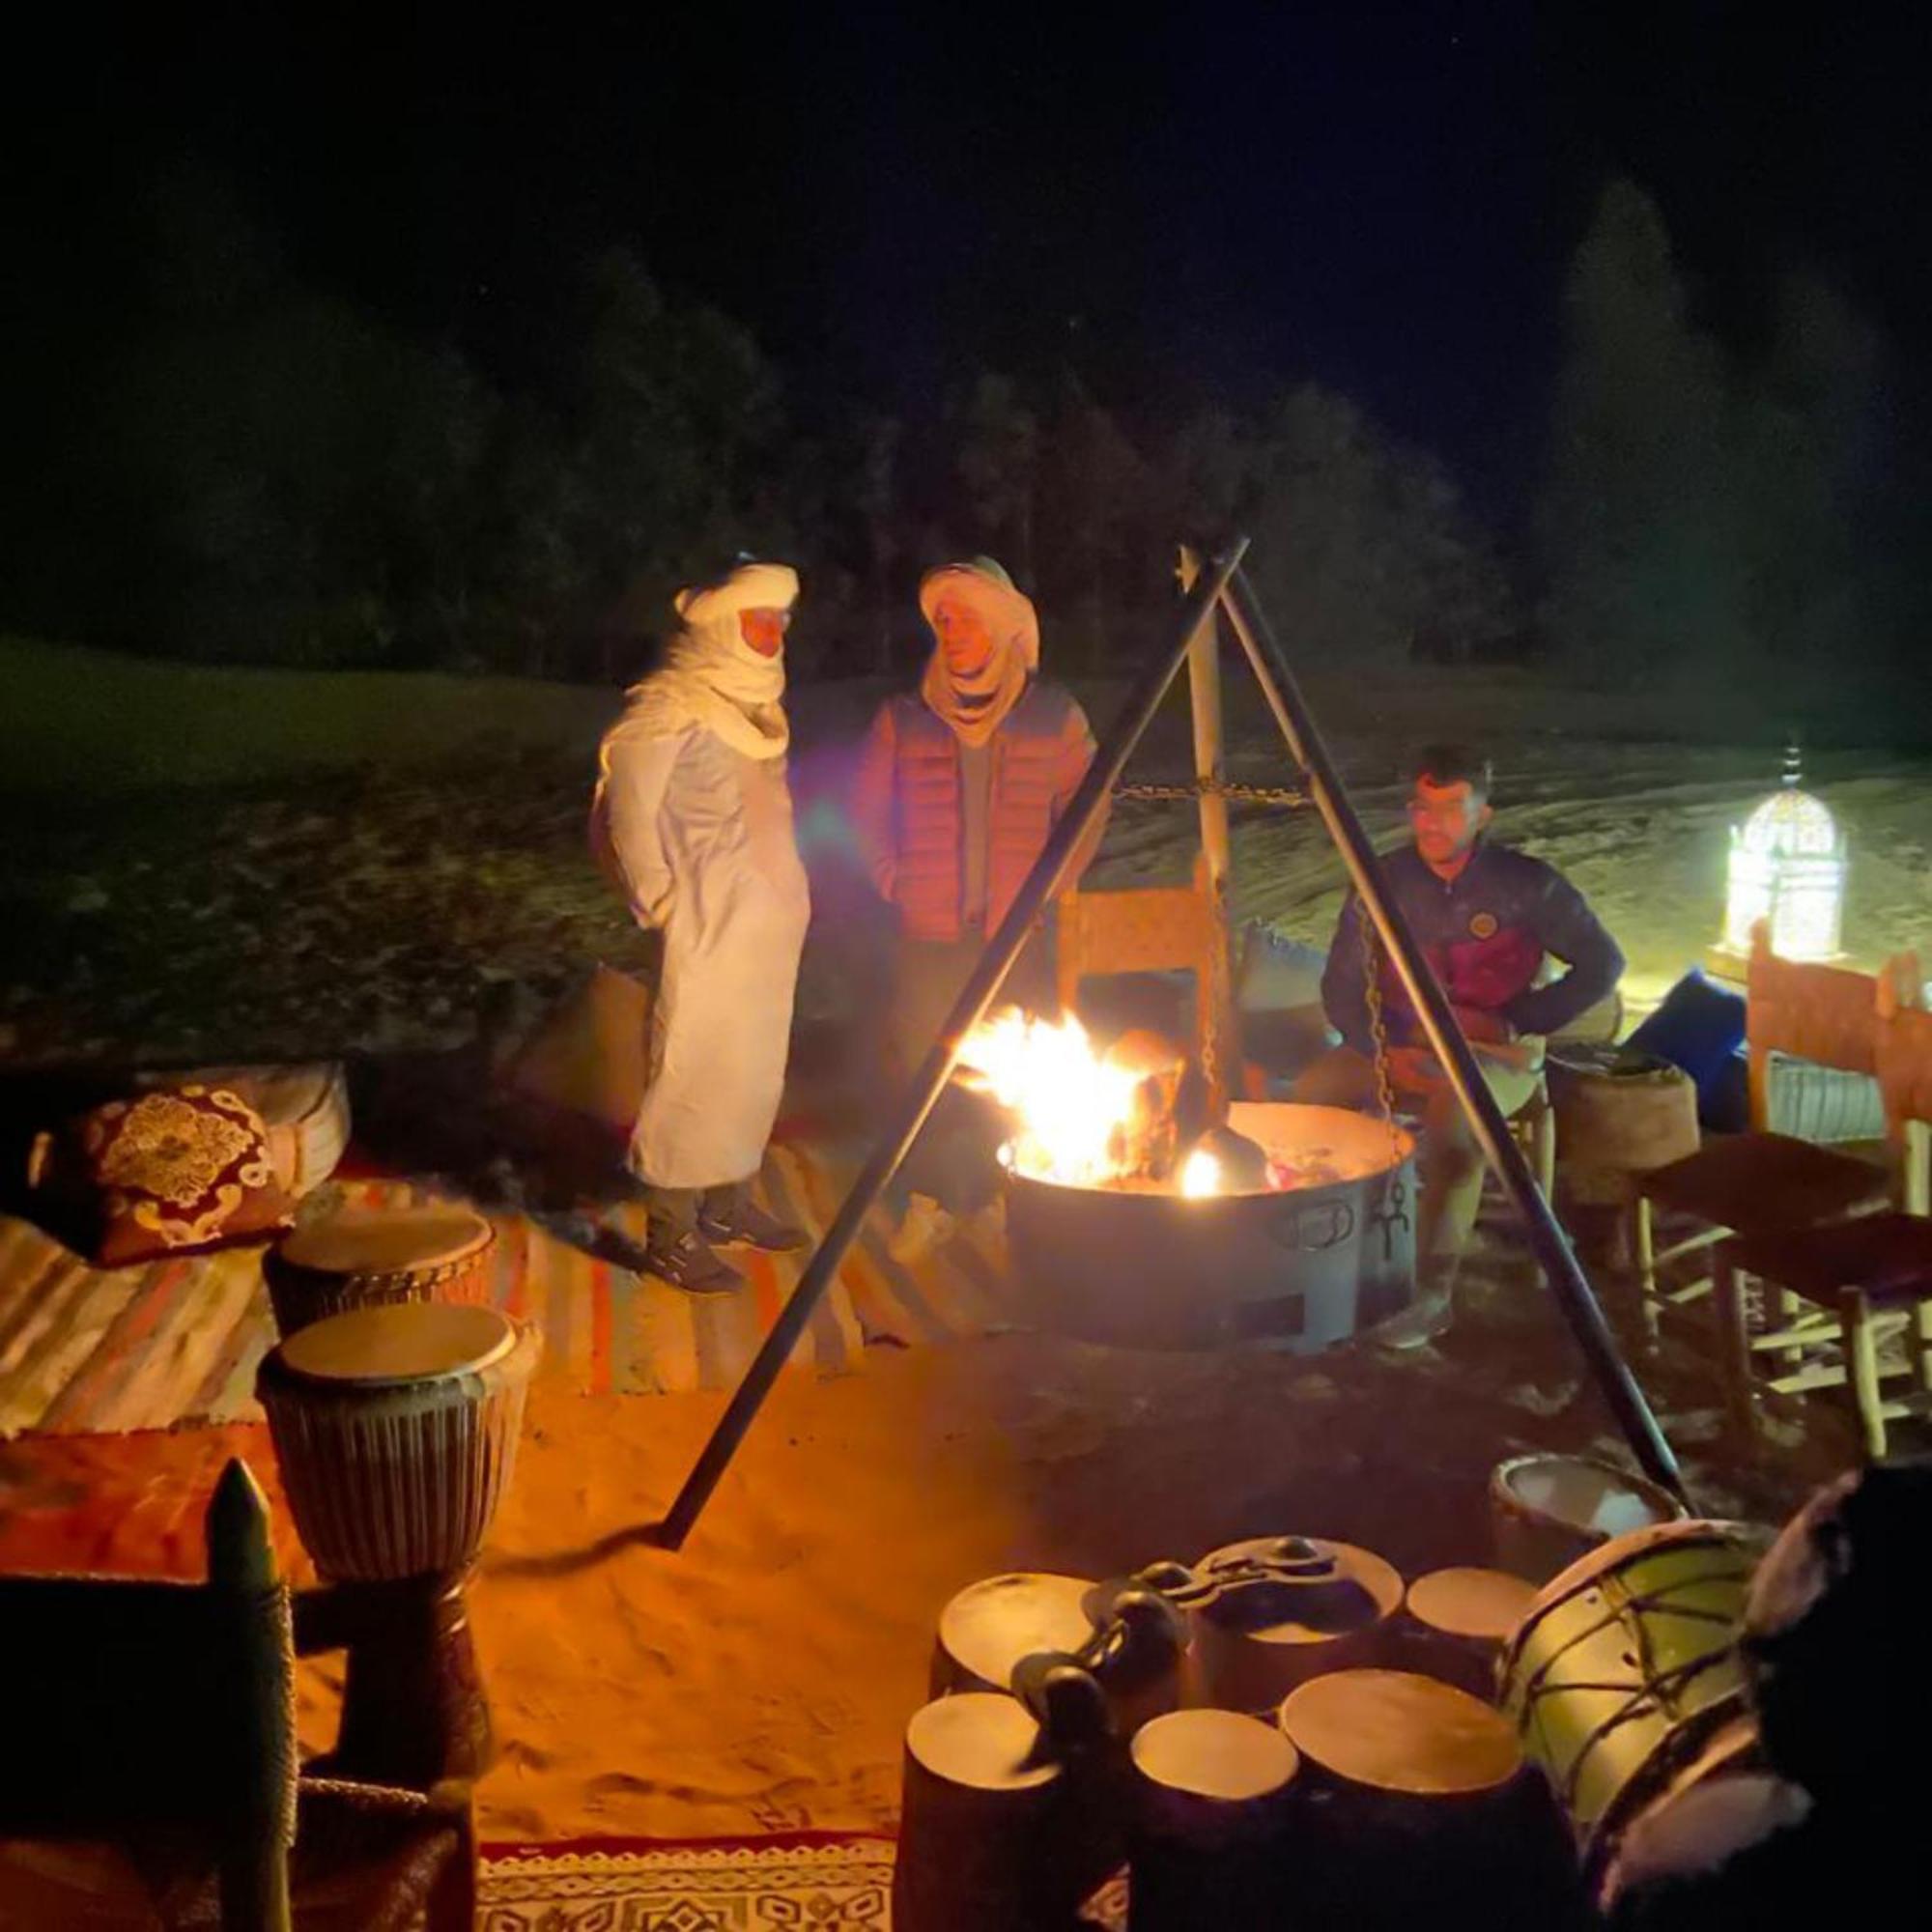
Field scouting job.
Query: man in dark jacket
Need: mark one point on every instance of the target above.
(1488, 919)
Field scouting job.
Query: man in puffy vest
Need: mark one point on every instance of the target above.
(694, 818)
(1487, 918)
(959, 785)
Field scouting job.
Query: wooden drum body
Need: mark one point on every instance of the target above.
(1626, 1669)
(396, 1431)
(362, 1258)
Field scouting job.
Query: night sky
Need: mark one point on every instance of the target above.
(1381, 197)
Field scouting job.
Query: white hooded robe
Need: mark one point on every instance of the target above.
(694, 813)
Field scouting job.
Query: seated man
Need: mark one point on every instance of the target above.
(1485, 917)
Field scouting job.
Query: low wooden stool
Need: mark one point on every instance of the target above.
(1210, 1818)
(989, 1626)
(1418, 1808)
(1458, 1621)
(989, 1833)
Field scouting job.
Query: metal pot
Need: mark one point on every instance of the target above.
(1300, 1268)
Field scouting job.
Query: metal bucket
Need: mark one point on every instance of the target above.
(1548, 1511)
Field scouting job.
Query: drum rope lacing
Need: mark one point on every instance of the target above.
(1659, 1690)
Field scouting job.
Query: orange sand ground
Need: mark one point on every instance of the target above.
(761, 1678)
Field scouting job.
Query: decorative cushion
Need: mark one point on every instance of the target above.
(184, 1168)
(305, 1107)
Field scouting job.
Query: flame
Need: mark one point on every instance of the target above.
(1068, 1103)
(1200, 1175)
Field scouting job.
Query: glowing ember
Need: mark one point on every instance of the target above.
(1070, 1106)
(1201, 1176)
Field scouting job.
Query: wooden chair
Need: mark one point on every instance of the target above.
(1873, 1274)
(158, 1718)
(1154, 929)
(1761, 1181)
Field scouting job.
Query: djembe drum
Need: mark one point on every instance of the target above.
(1627, 1669)
(396, 1431)
(362, 1257)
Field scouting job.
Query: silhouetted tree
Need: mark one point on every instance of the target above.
(1640, 525)
(995, 442)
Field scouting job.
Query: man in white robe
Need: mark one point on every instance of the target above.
(694, 818)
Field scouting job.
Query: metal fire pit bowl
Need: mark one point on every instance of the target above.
(1298, 1268)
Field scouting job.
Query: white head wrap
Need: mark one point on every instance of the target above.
(711, 677)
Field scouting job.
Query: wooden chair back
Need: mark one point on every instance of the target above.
(137, 1707)
(1825, 1014)
(1148, 929)
(1905, 1076)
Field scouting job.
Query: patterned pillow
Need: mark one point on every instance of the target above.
(188, 1167)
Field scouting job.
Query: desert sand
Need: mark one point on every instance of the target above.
(761, 1678)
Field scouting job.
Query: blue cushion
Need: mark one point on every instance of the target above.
(1699, 1027)
(1724, 1103)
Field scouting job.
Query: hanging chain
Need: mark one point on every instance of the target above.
(1245, 794)
(1397, 1214)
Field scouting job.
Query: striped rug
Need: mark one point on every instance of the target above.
(85, 1349)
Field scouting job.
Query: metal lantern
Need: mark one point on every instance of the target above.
(1787, 869)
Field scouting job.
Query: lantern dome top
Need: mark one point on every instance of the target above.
(1791, 824)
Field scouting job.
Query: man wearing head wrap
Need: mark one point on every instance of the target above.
(693, 817)
(958, 788)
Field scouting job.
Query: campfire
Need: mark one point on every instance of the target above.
(1093, 1118)
(1284, 1224)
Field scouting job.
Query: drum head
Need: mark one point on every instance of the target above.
(1484, 1603)
(990, 1626)
(402, 1342)
(1398, 1732)
(381, 1240)
(1219, 1755)
(983, 1739)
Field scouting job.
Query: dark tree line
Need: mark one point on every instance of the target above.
(259, 473)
